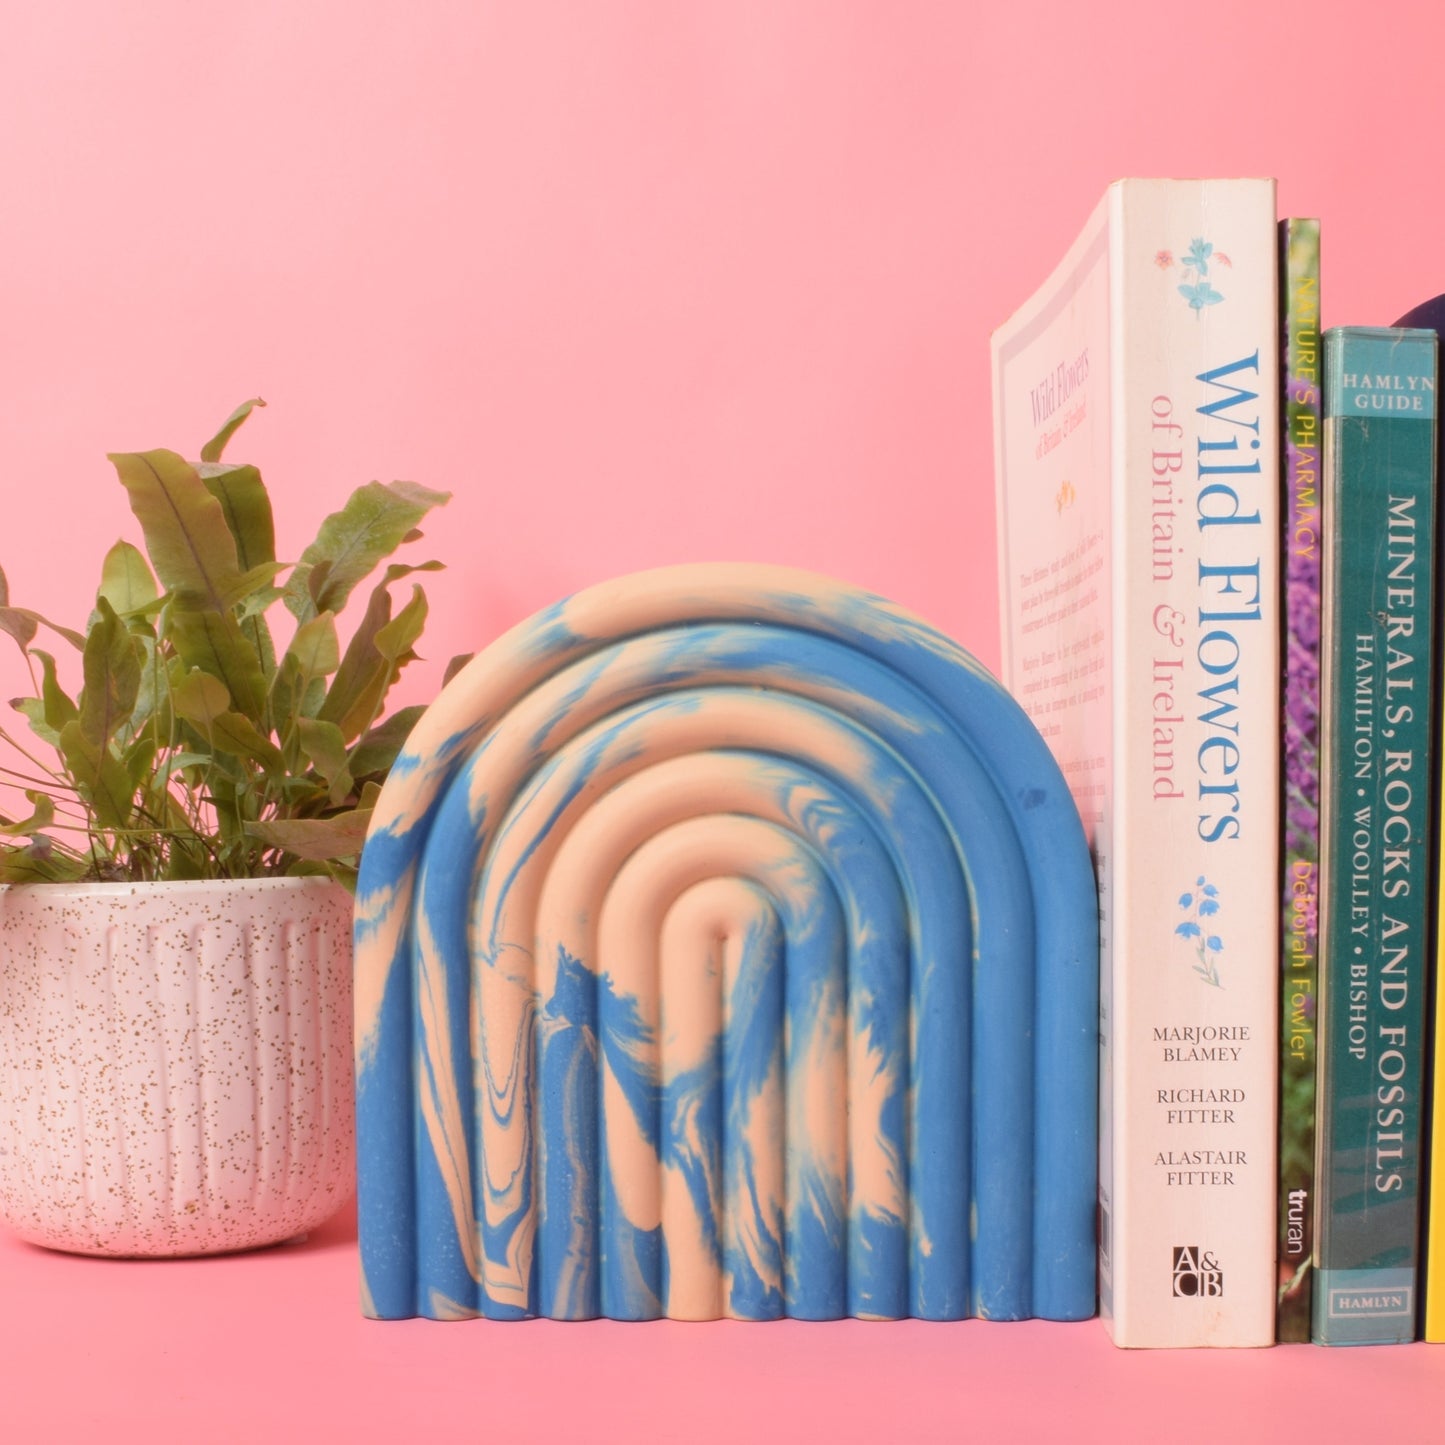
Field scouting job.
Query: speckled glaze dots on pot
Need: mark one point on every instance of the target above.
(726, 945)
(175, 1063)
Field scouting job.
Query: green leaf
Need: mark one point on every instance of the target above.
(33, 711)
(373, 523)
(299, 685)
(398, 570)
(100, 776)
(246, 506)
(315, 580)
(308, 868)
(364, 676)
(257, 604)
(176, 761)
(49, 712)
(212, 450)
(301, 794)
(126, 581)
(377, 751)
(187, 854)
(373, 661)
(315, 647)
(230, 817)
(337, 870)
(283, 707)
(22, 626)
(323, 744)
(396, 639)
(40, 862)
(317, 839)
(183, 864)
(456, 665)
(251, 615)
(59, 708)
(158, 676)
(112, 671)
(249, 585)
(185, 527)
(239, 737)
(214, 642)
(139, 760)
(42, 816)
(200, 698)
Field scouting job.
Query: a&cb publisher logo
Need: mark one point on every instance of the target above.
(1197, 1274)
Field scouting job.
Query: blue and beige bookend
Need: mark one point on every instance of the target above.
(726, 946)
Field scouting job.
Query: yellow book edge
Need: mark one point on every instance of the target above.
(1435, 1220)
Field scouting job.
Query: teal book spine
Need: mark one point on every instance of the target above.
(1376, 765)
(1301, 433)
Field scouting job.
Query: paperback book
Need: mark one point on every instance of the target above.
(1136, 436)
(1431, 315)
(1300, 564)
(1376, 772)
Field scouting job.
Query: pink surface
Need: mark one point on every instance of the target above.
(641, 284)
(270, 1346)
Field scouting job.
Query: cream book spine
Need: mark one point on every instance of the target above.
(1136, 400)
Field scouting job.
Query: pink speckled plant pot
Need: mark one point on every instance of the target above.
(175, 1063)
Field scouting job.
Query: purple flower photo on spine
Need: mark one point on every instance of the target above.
(1302, 544)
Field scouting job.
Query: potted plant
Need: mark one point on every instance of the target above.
(175, 920)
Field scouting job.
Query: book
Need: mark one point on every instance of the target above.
(1136, 435)
(1431, 315)
(1301, 433)
(1377, 605)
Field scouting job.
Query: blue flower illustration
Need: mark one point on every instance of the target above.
(1196, 258)
(1196, 288)
(1200, 295)
(1202, 902)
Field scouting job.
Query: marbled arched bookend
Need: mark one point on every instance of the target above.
(726, 946)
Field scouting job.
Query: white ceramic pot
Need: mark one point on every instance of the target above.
(175, 1063)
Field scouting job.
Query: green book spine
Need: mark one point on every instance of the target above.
(1377, 609)
(1302, 376)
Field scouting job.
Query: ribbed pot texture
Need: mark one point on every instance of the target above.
(175, 1063)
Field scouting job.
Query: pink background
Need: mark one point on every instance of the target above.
(640, 283)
